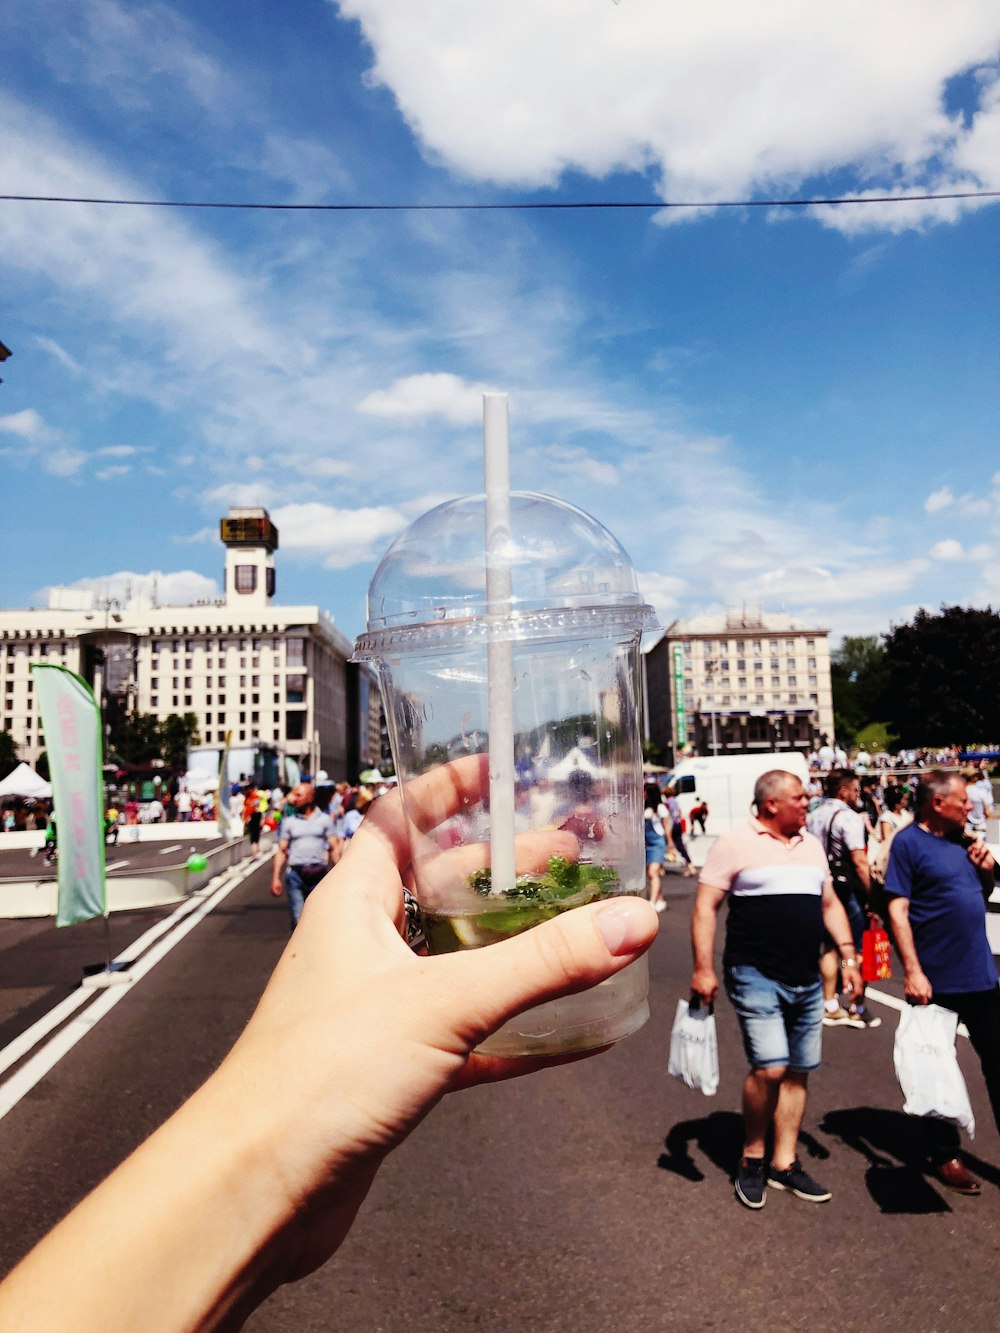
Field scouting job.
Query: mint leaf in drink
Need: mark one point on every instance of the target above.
(561, 881)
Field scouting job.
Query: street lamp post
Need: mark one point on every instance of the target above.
(710, 666)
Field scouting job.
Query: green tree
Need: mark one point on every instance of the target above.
(651, 753)
(940, 686)
(857, 675)
(177, 733)
(8, 754)
(136, 738)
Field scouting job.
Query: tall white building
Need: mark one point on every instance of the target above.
(739, 682)
(245, 664)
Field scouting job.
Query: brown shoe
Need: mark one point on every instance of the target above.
(957, 1176)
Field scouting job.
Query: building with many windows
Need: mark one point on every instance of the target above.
(242, 664)
(736, 683)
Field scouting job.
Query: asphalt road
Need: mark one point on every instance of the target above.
(20, 864)
(591, 1197)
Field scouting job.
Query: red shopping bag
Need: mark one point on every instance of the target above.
(876, 964)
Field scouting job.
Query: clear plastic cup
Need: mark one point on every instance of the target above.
(572, 625)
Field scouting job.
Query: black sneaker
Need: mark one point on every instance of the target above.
(798, 1182)
(751, 1182)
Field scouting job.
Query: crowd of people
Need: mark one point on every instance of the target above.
(827, 756)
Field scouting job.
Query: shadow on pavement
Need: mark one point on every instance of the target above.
(720, 1137)
(894, 1146)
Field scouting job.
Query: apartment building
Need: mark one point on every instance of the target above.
(736, 683)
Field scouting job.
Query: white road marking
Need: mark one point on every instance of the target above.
(173, 929)
(30, 1037)
(176, 848)
(116, 865)
(893, 1002)
(884, 998)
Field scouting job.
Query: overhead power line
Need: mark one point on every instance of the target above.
(514, 206)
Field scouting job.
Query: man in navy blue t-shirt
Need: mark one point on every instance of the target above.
(937, 884)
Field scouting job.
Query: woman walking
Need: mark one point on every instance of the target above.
(676, 825)
(654, 814)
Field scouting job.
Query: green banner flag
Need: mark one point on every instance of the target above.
(72, 723)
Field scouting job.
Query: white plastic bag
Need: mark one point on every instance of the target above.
(927, 1067)
(694, 1049)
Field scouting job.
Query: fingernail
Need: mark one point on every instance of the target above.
(623, 925)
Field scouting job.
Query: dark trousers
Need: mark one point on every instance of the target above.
(980, 1012)
(677, 837)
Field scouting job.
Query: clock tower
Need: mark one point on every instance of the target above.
(250, 539)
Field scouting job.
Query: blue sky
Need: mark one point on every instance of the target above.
(795, 409)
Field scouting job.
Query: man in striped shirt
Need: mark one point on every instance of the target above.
(777, 880)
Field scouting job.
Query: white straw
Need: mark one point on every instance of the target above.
(500, 651)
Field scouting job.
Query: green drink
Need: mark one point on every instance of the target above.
(532, 900)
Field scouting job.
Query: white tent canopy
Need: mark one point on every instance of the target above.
(574, 762)
(24, 781)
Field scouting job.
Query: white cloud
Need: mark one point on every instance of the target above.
(952, 551)
(244, 494)
(949, 550)
(420, 504)
(826, 585)
(176, 588)
(583, 464)
(428, 395)
(118, 451)
(125, 51)
(28, 425)
(973, 504)
(712, 101)
(307, 165)
(340, 537)
(61, 355)
(202, 537)
(64, 462)
(108, 473)
(663, 592)
(938, 500)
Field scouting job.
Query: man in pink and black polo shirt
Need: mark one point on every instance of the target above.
(776, 878)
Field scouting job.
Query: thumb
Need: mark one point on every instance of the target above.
(572, 952)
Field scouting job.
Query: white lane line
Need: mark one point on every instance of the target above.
(893, 1002)
(13, 1051)
(35, 1069)
(23, 1043)
(116, 865)
(176, 848)
(883, 997)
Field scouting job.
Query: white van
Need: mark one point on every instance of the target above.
(726, 783)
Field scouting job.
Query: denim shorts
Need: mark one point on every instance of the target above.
(656, 849)
(781, 1024)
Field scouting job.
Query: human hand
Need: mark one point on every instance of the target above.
(356, 1037)
(276, 887)
(917, 988)
(853, 986)
(981, 857)
(704, 984)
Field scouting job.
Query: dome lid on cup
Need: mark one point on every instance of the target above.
(566, 572)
